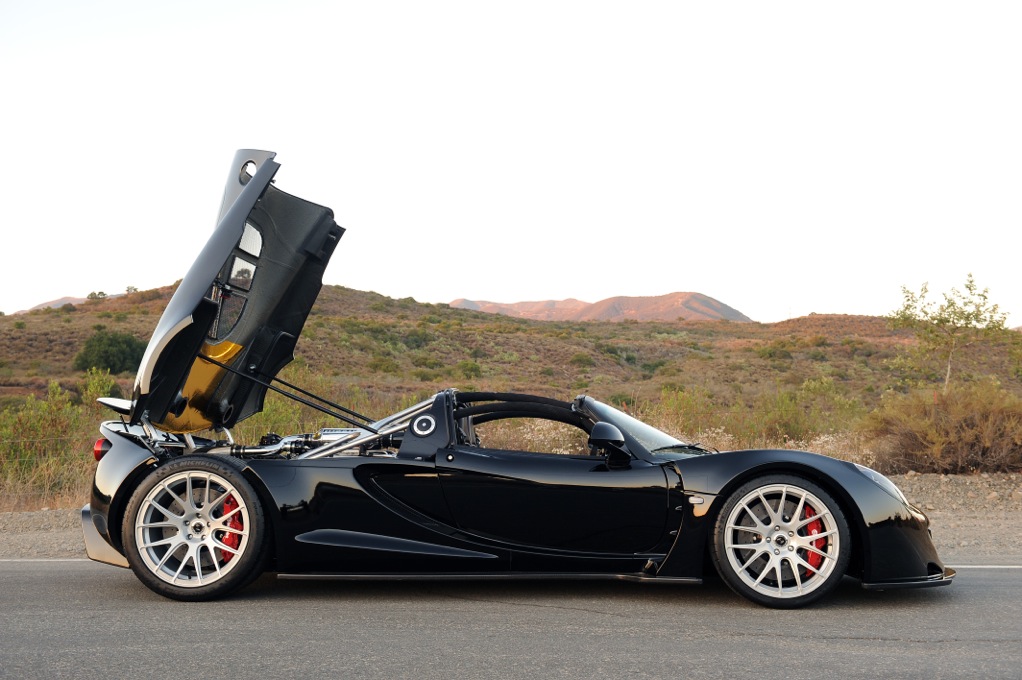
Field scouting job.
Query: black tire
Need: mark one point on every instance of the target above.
(781, 541)
(194, 529)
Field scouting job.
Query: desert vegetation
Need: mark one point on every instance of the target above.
(871, 389)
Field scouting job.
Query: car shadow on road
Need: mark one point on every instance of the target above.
(713, 591)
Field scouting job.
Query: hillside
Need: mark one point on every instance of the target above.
(401, 349)
(670, 307)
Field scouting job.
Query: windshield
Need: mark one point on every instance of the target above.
(651, 438)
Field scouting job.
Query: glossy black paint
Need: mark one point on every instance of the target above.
(123, 466)
(447, 506)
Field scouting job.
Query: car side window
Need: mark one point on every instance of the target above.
(532, 435)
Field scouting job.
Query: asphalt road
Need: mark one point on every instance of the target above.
(78, 619)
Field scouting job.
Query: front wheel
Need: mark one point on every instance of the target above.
(194, 529)
(781, 541)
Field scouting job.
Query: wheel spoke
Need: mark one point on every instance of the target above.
(226, 548)
(755, 518)
(758, 547)
(801, 562)
(762, 574)
(216, 562)
(816, 551)
(752, 559)
(798, 579)
(822, 534)
(800, 506)
(184, 561)
(158, 525)
(205, 501)
(230, 514)
(758, 530)
(233, 530)
(779, 576)
(810, 520)
(167, 556)
(165, 511)
(189, 493)
(198, 561)
(770, 511)
(173, 540)
(180, 501)
(219, 500)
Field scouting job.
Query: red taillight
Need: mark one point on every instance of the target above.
(100, 448)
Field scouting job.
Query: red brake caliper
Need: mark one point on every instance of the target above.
(813, 528)
(231, 539)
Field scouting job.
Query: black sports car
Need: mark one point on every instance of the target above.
(419, 495)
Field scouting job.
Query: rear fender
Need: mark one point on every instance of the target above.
(117, 475)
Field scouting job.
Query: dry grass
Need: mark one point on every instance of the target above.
(975, 427)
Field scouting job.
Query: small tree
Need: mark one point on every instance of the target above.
(114, 352)
(963, 319)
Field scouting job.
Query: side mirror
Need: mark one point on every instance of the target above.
(606, 435)
(609, 438)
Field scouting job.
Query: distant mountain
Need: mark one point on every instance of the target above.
(64, 301)
(670, 307)
(56, 303)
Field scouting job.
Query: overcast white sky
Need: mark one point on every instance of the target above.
(783, 158)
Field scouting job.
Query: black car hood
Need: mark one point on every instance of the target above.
(242, 305)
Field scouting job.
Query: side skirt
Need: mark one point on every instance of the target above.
(556, 576)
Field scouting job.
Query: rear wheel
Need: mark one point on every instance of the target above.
(781, 541)
(195, 530)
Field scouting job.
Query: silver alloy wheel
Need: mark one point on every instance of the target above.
(192, 528)
(782, 541)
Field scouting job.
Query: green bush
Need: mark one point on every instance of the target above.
(582, 360)
(470, 369)
(384, 364)
(779, 349)
(976, 426)
(111, 351)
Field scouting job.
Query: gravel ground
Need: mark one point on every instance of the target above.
(972, 517)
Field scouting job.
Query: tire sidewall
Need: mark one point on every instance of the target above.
(734, 581)
(250, 562)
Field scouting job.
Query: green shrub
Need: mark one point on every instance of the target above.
(779, 349)
(417, 338)
(422, 360)
(976, 426)
(384, 364)
(111, 351)
(470, 369)
(582, 360)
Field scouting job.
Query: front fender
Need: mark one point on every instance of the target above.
(891, 541)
